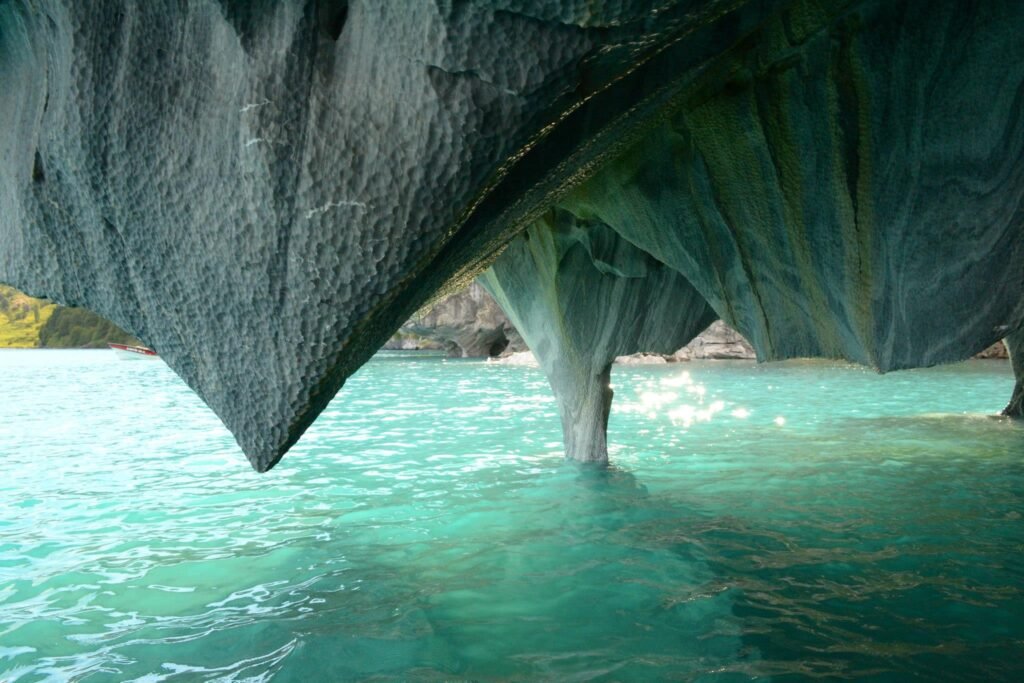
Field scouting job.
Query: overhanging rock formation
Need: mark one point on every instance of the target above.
(845, 193)
(264, 191)
(580, 296)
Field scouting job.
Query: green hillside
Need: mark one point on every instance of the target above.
(27, 323)
(21, 318)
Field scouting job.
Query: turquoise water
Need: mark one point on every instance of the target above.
(793, 521)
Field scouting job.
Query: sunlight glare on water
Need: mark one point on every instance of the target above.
(802, 519)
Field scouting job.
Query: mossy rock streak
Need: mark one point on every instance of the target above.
(852, 191)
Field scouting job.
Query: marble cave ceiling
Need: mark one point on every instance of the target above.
(264, 191)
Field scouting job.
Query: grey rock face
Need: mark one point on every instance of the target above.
(581, 295)
(470, 324)
(411, 342)
(996, 351)
(264, 191)
(642, 358)
(717, 342)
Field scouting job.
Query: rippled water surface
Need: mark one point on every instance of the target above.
(795, 520)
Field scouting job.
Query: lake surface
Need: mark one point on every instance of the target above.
(802, 520)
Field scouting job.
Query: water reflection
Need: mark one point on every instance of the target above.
(421, 533)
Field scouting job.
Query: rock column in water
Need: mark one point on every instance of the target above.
(1015, 345)
(581, 295)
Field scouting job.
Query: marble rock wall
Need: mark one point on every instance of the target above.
(581, 296)
(265, 190)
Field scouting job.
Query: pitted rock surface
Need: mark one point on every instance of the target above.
(264, 191)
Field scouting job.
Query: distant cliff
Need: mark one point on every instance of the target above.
(467, 324)
(470, 324)
(718, 342)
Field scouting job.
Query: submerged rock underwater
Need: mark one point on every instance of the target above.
(265, 191)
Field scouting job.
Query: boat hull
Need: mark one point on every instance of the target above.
(127, 352)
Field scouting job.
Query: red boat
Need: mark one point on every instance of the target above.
(126, 352)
